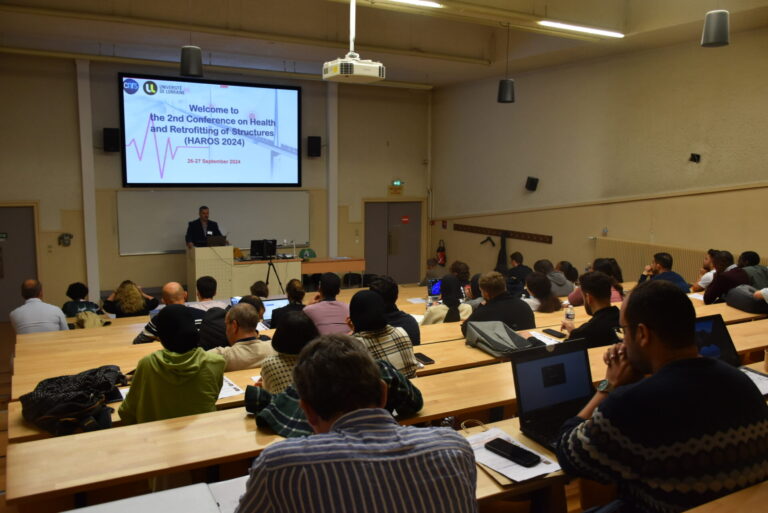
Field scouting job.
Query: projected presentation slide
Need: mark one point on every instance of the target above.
(189, 132)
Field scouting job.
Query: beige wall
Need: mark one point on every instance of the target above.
(721, 220)
(40, 162)
(610, 141)
(606, 129)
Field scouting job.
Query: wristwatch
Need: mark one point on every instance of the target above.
(605, 386)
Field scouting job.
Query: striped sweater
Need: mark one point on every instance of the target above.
(694, 431)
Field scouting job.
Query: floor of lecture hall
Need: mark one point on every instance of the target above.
(7, 341)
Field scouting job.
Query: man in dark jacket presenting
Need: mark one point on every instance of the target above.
(200, 229)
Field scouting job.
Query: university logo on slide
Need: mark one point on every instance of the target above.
(130, 86)
(150, 87)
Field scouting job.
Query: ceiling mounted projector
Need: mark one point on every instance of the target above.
(351, 68)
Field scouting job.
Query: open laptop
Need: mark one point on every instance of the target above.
(553, 383)
(269, 306)
(714, 341)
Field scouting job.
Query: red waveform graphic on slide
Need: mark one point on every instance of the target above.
(168, 149)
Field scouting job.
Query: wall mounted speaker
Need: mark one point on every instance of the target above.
(111, 137)
(314, 143)
(531, 183)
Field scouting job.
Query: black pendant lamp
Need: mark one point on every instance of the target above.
(716, 30)
(191, 61)
(506, 85)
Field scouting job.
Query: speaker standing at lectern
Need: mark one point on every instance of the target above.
(200, 229)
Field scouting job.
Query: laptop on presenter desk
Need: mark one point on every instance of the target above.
(553, 383)
(714, 341)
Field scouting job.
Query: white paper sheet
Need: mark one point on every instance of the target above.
(417, 300)
(545, 338)
(758, 378)
(696, 296)
(229, 389)
(227, 493)
(504, 466)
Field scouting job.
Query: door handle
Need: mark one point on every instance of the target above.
(389, 242)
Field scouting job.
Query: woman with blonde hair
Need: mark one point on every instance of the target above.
(128, 300)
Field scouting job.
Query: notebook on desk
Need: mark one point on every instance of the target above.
(713, 340)
(552, 383)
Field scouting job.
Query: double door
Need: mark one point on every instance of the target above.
(393, 240)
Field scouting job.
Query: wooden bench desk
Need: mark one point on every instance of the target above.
(752, 499)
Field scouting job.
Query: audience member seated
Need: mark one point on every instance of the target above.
(542, 299)
(78, 293)
(452, 309)
(181, 379)
(129, 301)
(694, 430)
(728, 276)
(173, 294)
(294, 291)
(560, 284)
(34, 316)
(387, 288)
(576, 298)
(517, 274)
(500, 305)
(475, 298)
(295, 331)
(206, 290)
(329, 315)
(616, 270)
(706, 273)
(260, 289)
(213, 328)
(433, 272)
(569, 271)
(360, 453)
(661, 269)
(368, 323)
(600, 330)
(758, 274)
(246, 350)
(461, 271)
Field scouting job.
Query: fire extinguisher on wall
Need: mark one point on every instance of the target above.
(441, 253)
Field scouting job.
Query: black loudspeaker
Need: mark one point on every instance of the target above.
(313, 146)
(111, 139)
(531, 183)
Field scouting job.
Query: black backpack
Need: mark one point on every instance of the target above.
(76, 403)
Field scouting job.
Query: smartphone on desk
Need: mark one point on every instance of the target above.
(513, 452)
(424, 359)
(554, 333)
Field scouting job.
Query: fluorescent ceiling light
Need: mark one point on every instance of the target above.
(420, 3)
(577, 28)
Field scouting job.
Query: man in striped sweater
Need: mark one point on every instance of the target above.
(694, 430)
(360, 459)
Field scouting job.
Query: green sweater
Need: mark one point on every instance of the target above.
(168, 384)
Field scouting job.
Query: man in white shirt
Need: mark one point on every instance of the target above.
(706, 273)
(34, 316)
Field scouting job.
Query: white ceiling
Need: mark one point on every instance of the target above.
(466, 40)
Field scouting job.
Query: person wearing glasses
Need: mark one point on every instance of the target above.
(600, 330)
(670, 428)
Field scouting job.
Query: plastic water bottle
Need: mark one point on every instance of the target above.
(570, 314)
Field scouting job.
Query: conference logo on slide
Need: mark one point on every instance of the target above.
(130, 86)
(150, 87)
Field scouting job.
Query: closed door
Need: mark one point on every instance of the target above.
(17, 255)
(393, 240)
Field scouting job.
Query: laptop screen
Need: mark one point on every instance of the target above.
(552, 378)
(714, 341)
(271, 304)
(433, 287)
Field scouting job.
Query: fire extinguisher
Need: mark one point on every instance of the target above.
(441, 252)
